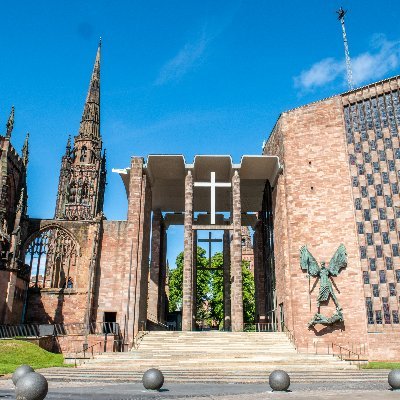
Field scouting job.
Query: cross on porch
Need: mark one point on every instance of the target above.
(210, 240)
(212, 184)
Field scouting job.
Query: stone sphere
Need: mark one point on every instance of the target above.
(279, 380)
(20, 372)
(32, 386)
(153, 379)
(394, 379)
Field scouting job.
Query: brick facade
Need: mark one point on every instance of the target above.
(323, 154)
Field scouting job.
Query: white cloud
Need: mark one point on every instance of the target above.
(321, 73)
(180, 64)
(383, 58)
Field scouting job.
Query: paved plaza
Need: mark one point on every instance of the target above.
(135, 391)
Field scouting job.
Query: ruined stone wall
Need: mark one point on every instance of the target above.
(62, 305)
(113, 279)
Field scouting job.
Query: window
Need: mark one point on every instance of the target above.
(395, 315)
(382, 213)
(367, 215)
(373, 202)
(372, 144)
(395, 250)
(355, 181)
(382, 155)
(397, 154)
(361, 169)
(398, 275)
(363, 252)
(370, 312)
(366, 277)
(375, 225)
(357, 147)
(395, 188)
(385, 177)
(382, 276)
(389, 263)
(375, 167)
(392, 166)
(392, 289)
(385, 238)
(389, 201)
(386, 310)
(378, 316)
(375, 290)
(370, 240)
(372, 265)
(353, 159)
(360, 227)
(379, 190)
(367, 157)
(364, 191)
(357, 203)
(397, 212)
(379, 251)
(370, 179)
(392, 225)
(388, 143)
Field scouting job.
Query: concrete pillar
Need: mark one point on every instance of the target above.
(163, 276)
(259, 273)
(155, 267)
(227, 280)
(194, 291)
(187, 300)
(236, 258)
(136, 270)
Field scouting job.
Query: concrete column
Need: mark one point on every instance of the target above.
(236, 258)
(259, 273)
(194, 278)
(187, 300)
(163, 276)
(155, 266)
(227, 280)
(136, 269)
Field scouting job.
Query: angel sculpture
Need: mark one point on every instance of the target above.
(308, 263)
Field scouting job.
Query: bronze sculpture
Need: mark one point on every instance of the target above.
(308, 263)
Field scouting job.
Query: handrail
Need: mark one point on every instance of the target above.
(85, 349)
(290, 334)
(260, 327)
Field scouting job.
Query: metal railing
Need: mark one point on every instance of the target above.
(356, 354)
(94, 328)
(290, 334)
(260, 327)
(21, 330)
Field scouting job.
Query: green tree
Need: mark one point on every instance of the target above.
(217, 287)
(203, 284)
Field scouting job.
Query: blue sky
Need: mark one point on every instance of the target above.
(190, 77)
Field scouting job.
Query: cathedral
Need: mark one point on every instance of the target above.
(324, 191)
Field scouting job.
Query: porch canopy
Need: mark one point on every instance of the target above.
(167, 179)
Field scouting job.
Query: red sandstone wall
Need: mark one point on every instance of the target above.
(314, 207)
(112, 274)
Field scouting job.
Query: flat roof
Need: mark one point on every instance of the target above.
(167, 174)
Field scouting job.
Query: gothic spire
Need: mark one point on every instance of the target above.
(25, 150)
(10, 123)
(90, 123)
(68, 146)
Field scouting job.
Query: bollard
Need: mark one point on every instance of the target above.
(21, 371)
(153, 379)
(31, 386)
(279, 381)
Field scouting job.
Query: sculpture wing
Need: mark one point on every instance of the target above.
(338, 261)
(308, 262)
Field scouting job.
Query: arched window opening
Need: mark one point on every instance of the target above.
(83, 154)
(52, 257)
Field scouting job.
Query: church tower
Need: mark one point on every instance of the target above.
(83, 174)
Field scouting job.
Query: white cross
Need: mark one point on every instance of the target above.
(212, 185)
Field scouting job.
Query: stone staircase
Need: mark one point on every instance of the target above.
(218, 357)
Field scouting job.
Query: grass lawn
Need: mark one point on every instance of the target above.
(13, 353)
(382, 365)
